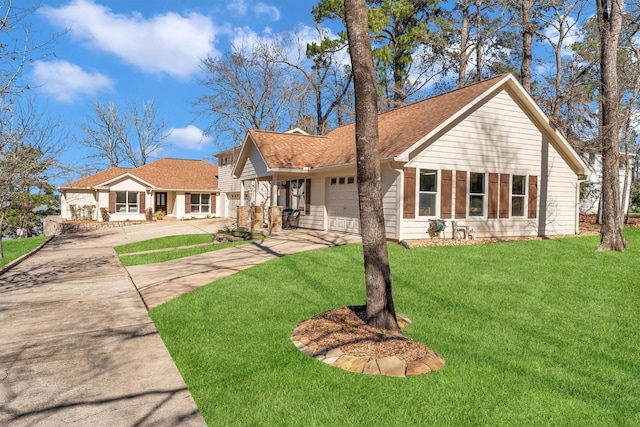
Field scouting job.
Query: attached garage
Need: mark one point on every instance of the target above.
(342, 205)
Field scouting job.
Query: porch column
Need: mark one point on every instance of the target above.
(274, 190)
(256, 191)
(241, 193)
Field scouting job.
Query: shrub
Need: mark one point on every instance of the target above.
(104, 212)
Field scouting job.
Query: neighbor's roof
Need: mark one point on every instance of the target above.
(167, 174)
(400, 130)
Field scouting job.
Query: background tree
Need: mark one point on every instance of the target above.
(29, 156)
(126, 137)
(380, 307)
(402, 30)
(326, 76)
(249, 89)
(27, 140)
(609, 15)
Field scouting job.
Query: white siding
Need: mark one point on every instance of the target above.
(255, 166)
(390, 201)
(315, 220)
(78, 198)
(500, 138)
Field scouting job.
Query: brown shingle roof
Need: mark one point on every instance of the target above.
(170, 174)
(398, 130)
(98, 178)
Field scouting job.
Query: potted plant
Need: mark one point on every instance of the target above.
(159, 214)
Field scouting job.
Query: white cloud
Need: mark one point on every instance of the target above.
(270, 11)
(169, 43)
(238, 7)
(67, 81)
(190, 137)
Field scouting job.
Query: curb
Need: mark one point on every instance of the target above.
(23, 257)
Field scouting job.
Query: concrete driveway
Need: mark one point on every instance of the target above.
(77, 346)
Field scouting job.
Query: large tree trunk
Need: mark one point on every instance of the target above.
(528, 29)
(380, 308)
(609, 24)
(464, 45)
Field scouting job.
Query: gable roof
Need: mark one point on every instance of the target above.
(400, 130)
(166, 174)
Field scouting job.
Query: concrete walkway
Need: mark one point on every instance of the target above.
(159, 283)
(77, 346)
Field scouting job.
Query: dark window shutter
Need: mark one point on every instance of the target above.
(214, 209)
(492, 211)
(112, 202)
(142, 202)
(446, 193)
(532, 207)
(187, 203)
(409, 203)
(461, 194)
(505, 194)
(307, 197)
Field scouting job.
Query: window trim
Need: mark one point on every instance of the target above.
(483, 195)
(435, 193)
(199, 205)
(127, 204)
(523, 196)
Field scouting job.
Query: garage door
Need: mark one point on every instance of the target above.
(343, 205)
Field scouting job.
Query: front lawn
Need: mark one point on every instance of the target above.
(533, 333)
(169, 248)
(15, 248)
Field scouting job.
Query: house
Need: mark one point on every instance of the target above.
(179, 188)
(230, 187)
(484, 156)
(592, 187)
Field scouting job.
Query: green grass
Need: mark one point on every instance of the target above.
(533, 333)
(180, 247)
(14, 249)
(164, 243)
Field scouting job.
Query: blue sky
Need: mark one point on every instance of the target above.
(141, 50)
(150, 50)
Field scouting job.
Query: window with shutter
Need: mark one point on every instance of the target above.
(533, 197)
(409, 202)
(504, 195)
(461, 194)
(112, 202)
(446, 193)
(492, 208)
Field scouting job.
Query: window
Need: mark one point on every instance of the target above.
(200, 203)
(476, 194)
(297, 195)
(518, 195)
(428, 192)
(127, 201)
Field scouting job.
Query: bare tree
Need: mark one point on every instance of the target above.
(123, 138)
(249, 89)
(149, 132)
(104, 134)
(29, 154)
(609, 13)
(327, 78)
(380, 307)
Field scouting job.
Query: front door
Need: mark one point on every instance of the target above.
(161, 202)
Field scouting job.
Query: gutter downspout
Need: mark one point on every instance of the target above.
(579, 181)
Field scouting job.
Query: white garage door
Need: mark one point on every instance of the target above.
(343, 205)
